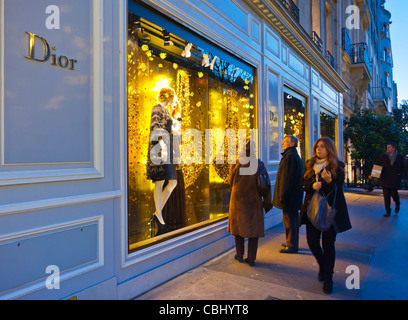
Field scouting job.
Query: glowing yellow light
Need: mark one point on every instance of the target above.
(145, 47)
(142, 66)
(161, 83)
(200, 75)
(163, 55)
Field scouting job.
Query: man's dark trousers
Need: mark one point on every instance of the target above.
(291, 225)
(388, 193)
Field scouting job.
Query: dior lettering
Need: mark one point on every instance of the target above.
(36, 42)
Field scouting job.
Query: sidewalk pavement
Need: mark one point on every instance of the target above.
(376, 245)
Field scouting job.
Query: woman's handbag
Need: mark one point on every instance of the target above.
(320, 213)
(263, 183)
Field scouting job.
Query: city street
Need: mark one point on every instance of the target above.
(372, 255)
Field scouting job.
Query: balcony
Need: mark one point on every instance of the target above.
(378, 93)
(330, 58)
(317, 41)
(283, 16)
(292, 8)
(358, 53)
(319, 45)
(380, 99)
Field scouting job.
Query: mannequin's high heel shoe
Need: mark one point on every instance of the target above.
(161, 228)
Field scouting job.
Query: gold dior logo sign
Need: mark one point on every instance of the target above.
(60, 61)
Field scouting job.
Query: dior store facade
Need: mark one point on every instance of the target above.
(80, 85)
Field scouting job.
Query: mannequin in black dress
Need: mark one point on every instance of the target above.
(161, 133)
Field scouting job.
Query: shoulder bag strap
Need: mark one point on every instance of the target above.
(335, 193)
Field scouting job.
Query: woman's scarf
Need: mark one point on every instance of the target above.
(319, 165)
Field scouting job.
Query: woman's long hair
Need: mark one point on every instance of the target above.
(332, 158)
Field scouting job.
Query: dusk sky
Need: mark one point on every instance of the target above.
(399, 43)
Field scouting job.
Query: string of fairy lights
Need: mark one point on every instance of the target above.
(212, 95)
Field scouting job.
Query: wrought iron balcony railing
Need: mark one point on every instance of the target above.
(330, 58)
(319, 45)
(292, 8)
(378, 93)
(358, 52)
(317, 41)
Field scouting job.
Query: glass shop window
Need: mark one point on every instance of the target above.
(205, 92)
(273, 121)
(327, 124)
(295, 119)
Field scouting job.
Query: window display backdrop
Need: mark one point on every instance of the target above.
(213, 94)
(327, 124)
(294, 119)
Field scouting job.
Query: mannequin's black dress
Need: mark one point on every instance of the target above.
(160, 128)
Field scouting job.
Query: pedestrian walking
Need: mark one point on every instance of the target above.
(323, 171)
(246, 217)
(390, 179)
(287, 194)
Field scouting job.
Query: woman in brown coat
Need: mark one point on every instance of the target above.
(246, 219)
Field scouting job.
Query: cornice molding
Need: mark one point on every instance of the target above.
(294, 35)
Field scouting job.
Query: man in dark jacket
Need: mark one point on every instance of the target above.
(390, 179)
(287, 194)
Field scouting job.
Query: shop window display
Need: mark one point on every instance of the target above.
(294, 119)
(273, 104)
(203, 92)
(327, 125)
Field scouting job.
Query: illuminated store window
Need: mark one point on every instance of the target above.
(295, 119)
(327, 124)
(316, 114)
(213, 92)
(273, 121)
